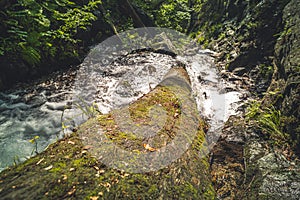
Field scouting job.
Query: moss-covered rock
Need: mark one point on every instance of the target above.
(258, 40)
(269, 174)
(288, 63)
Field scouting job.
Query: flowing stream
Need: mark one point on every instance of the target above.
(40, 108)
(32, 110)
(37, 110)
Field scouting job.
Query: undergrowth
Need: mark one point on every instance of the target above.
(269, 120)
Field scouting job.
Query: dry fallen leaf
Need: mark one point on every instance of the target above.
(107, 185)
(87, 147)
(94, 198)
(71, 142)
(84, 152)
(147, 147)
(48, 168)
(65, 177)
(125, 175)
(72, 191)
(39, 162)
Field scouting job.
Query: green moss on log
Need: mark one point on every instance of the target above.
(68, 168)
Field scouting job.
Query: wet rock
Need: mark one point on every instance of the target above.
(245, 60)
(57, 106)
(265, 31)
(269, 175)
(239, 71)
(287, 60)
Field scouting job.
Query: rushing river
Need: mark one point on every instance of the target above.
(32, 110)
(40, 108)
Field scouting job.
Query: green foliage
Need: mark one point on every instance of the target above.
(266, 70)
(41, 29)
(117, 20)
(171, 14)
(253, 110)
(89, 110)
(174, 14)
(269, 120)
(34, 141)
(194, 17)
(85, 110)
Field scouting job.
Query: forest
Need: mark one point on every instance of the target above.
(248, 52)
(42, 36)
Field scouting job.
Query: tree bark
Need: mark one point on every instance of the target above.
(70, 169)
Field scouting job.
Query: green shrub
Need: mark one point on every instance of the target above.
(34, 30)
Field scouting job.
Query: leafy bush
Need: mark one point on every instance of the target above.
(36, 29)
(174, 14)
(171, 14)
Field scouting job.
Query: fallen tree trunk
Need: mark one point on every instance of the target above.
(73, 168)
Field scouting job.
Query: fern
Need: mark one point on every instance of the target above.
(269, 120)
(253, 110)
(30, 54)
(35, 30)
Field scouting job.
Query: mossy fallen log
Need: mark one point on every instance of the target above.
(73, 168)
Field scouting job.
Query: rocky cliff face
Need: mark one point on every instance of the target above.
(259, 40)
(287, 51)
